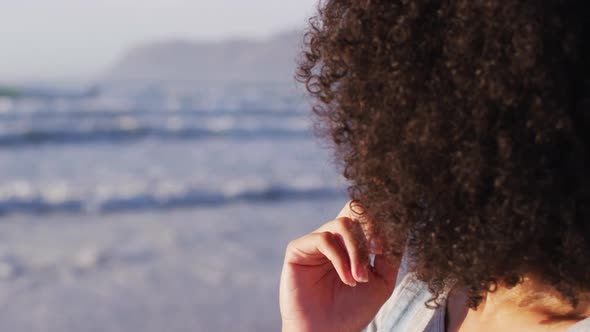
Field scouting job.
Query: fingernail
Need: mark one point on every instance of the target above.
(352, 284)
(372, 260)
(363, 274)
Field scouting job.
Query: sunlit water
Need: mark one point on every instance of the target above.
(155, 207)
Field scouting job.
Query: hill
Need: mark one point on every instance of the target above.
(269, 60)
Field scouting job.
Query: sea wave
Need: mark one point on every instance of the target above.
(81, 114)
(58, 201)
(134, 133)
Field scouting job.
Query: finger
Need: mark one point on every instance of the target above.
(355, 211)
(314, 248)
(351, 210)
(351, 236)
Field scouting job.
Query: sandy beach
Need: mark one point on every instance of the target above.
(182, 270)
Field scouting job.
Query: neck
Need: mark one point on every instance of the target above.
(526, 307)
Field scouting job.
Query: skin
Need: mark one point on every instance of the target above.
(327, 285)
(324, 273)
(509, 310)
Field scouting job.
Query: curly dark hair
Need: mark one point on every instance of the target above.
(463, 128)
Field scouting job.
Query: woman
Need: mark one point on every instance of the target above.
(463, 128)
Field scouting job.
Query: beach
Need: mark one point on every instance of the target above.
(152, 211)
(181, 270)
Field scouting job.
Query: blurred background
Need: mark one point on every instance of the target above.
(156, 157)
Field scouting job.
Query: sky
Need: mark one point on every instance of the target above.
(44, 40)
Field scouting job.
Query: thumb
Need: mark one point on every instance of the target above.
(386, 268)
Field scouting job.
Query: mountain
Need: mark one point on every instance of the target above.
(269, 60)
(6, 91)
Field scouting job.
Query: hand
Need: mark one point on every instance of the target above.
(326, 282)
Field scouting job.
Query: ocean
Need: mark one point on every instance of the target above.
(155, 206)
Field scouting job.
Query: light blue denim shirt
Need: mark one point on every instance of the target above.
(405, 310)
